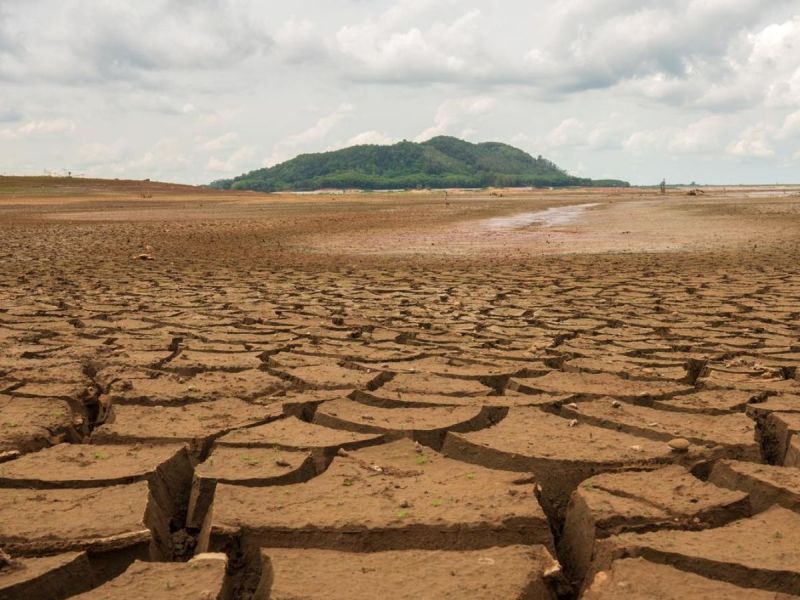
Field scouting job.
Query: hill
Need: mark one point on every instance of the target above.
(44, 186)
(442, 162)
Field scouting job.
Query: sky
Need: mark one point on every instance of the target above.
(193, 91)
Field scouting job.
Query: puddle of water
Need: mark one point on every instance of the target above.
(552, 217)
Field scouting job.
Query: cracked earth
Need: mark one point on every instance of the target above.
(248, 397)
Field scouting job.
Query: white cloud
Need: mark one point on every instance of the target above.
(790, 127)
(646, 140)
(99, 153)
(284, 149)
(158, 103)
(39, 127)
(570, 132)
(600, 44)
(165, 154)
(456, 112)
(213, 118)
(120, 40)
(703, 135)
(9, 115)
(221, 142)
(47, 126)
(370, 137)
(752, 142)
(166, 35)
(749, 147)
(385, 50)
(234, 164)
(298, 41)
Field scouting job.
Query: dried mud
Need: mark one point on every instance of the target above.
(583, 394)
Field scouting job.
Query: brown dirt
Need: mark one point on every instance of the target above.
(767, 485)
(83, 465)
(399, 495)
(292, 433)
(762, 551)
(668, 498)
(733, 433)
(290, 342)
(57, 576)
(638, 579)
(428, 425)
(73, 518)
(202, 578)
(515, 573)
(256, 466)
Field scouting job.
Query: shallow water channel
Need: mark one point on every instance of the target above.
(551, 217)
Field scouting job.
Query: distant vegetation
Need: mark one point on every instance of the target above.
(442, 162)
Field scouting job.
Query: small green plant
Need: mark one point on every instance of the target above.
(470, 476)
(401, 514)
(437, 502)
(422, 460)
(778, 535)
(101, 455)
(347, 482)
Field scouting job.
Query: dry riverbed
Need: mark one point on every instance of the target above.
(542, 394)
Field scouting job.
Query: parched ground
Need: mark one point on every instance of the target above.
(543, 394)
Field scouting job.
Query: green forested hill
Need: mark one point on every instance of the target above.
(442, 162)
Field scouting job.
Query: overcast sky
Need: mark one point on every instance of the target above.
(191, 91)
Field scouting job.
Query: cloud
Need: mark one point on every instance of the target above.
(703, 135)
(41, 127)
(691, 82)
(120, 40)
(221, 142)
(600, 44)
(186, 35)
(153, 102)
(790, 127)
(284, 149)
(298, 41)
(370, 137)
(213, 118)
(775, 50)
(570, 132)
(750, 148)
(235, 163)
(753, 142)
(599, 134)
(166, 155)
(455, 113)
(99, 153)
(646, 140)
(385, 49)
(9, 115)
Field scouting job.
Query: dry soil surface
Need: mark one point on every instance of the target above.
(493, 394)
